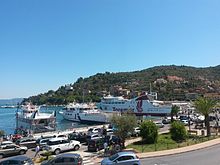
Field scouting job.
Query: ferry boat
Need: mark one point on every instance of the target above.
(85, 113)
(30, 120)
(143, 105)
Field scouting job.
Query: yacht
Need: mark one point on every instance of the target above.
(82, 112)
(30, 120)
(140, 106)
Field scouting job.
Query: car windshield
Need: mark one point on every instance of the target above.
(113, 157)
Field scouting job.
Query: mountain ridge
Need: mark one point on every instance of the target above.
(171, 82)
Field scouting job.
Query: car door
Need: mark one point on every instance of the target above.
(66, 145)
(70, 161)
(10, 149)
(124, 160)
(58, 161)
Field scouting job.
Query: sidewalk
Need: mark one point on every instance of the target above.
(168, 152)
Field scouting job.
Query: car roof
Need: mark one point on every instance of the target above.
(19, 157)
(56, 139)
(68, 155)
(126, 153)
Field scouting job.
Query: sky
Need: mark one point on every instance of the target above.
(45, 44)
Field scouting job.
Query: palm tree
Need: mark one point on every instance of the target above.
(205, 106)
(174, 111)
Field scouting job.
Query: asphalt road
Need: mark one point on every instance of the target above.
(207, 156)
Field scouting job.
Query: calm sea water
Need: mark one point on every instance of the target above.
(8, 122)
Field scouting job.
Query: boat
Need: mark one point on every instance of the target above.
(30, 120)
(143, 105)
(84, 113)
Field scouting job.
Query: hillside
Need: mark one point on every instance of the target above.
(170, 82)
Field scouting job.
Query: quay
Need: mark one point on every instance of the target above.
(68, 131)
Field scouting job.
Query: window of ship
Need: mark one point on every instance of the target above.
(72, 109)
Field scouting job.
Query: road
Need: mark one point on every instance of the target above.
(207, 156)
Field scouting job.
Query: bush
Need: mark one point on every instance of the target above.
(149, 132)
(178, 131)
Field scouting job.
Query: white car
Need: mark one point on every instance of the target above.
(6, 143)
(159, 124)
(57, 145)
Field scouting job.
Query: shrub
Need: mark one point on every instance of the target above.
(178, 131)
(149, 132)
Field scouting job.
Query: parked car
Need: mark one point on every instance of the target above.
(28, 142)
(122, 158)
(17, 160)
(167, 120)
(159, 124)
(94, 131)
(42, 142)
(96, 145)
(6, 143)
(65, 159)
(12, 149)
(93, 137)
(78, 137)
(136, 132)
(57, 145)
(15, 137)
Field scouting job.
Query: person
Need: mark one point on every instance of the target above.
(105, 148)
(37, 150)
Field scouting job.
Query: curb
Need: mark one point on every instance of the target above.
(186, 149)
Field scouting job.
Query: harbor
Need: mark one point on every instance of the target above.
(8, 120)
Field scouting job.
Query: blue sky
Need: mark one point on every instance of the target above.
(48, 43)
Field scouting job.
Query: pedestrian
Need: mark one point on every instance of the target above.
(37, 150)
(105, 148)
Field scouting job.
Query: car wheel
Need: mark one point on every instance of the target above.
(57, 151)
(1, 156)
(22, 152)
(76, 147)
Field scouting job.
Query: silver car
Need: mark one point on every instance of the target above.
(122, 158)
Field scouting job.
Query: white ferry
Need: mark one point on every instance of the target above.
(143, 105)
(31, 120)
(84, 113)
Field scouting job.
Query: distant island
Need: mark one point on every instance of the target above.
(170, 82)
(10, 102)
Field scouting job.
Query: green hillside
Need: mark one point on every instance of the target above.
(170, 82)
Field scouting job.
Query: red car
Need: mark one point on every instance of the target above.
(16, 137)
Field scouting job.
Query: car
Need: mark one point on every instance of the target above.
(122, 158)
(136, 132)
(166, 120)
(78, 136)
(28, 142)
(159, 124)
(57, 145)
(66, 159)
(109, 131)
(12, 149)
(94, 130)
(42, 142)
(96, 145)
(92, 137)
(17, 160)
(6, 143)
(15, 137)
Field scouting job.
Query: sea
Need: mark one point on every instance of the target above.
(8, 120)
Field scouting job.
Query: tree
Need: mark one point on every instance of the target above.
(124, 124)
(178, 131)
(2, 133)
(149, 131)
(174, 111)
(205, 106)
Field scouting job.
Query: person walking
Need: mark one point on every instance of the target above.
(37, 150)
(105, 148)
